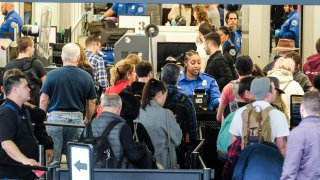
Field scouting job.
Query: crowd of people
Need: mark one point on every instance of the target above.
(161, 113)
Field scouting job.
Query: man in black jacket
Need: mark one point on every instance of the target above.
(18, 145)
(217, 65)
(144, 73)
(37, 117)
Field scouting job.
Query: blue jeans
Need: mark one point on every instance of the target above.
(61, 135)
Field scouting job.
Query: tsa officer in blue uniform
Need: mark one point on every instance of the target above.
(228, 48)
(192, 79)
(290, 28)
(10, 15)
(235, 34)
(124, 9)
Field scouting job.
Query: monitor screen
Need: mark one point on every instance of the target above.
(295, 102)
(173, 49)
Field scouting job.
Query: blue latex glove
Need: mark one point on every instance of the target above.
(277, 33)
(101, 18)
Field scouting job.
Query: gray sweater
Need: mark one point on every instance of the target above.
(154, 119)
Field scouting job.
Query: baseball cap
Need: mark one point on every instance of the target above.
(276, 83)
(260, 87)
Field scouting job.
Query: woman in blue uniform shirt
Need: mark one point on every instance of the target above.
(192, 79)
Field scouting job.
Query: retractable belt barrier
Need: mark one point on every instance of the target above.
(64, 124)
(142, 174)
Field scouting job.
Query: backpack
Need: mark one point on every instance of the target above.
(33, 80)
(179, 111)
(235, 87)
(223, 140)
(177, 106)
(255, 125)
(103, 155)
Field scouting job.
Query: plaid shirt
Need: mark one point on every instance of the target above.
(99, 71)
(234, 151)
(192, 118)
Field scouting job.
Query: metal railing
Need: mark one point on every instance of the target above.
(196, 160)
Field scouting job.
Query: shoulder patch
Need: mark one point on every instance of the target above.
(204, 82)
(232, 52)
(294, 22)
(140, 9)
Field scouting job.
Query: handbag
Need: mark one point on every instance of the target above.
(180, 20)
(145, 161)
(172, 166)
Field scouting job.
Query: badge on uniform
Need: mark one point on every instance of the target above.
(204, 83)
(140, 9)
(294, 22)
(238, 40)
(132, 7)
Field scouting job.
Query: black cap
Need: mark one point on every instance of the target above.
(276, 83)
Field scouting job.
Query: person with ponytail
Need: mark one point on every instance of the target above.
(122, 75)
(160, 123)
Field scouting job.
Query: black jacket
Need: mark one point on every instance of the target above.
(218, 67)
(38, 116)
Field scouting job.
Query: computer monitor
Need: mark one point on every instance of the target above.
(295, 117)
(137, 22)
(173, 49)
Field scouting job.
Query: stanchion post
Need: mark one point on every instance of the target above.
(194, 160)
(42, 157)
(206, 174)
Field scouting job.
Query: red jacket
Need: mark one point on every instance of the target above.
(312, 67)
(115, 89)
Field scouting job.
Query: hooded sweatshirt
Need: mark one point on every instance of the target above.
(312, 67)
(287, 84)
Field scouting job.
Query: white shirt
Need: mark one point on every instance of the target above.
(278, 121)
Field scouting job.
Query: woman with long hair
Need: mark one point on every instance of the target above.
(200, 15)
(130, 111)
(122, 75)
(160, 123)
(83, 63)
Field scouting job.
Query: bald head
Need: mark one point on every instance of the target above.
(6, 7)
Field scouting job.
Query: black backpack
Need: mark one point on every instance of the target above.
(103, 154)
(181, 114)
(32, 79)
(179, 110)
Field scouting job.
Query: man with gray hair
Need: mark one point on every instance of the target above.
(181, 106)
(67, 94)
(302, 158)
(120, 137)
(265, 93)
